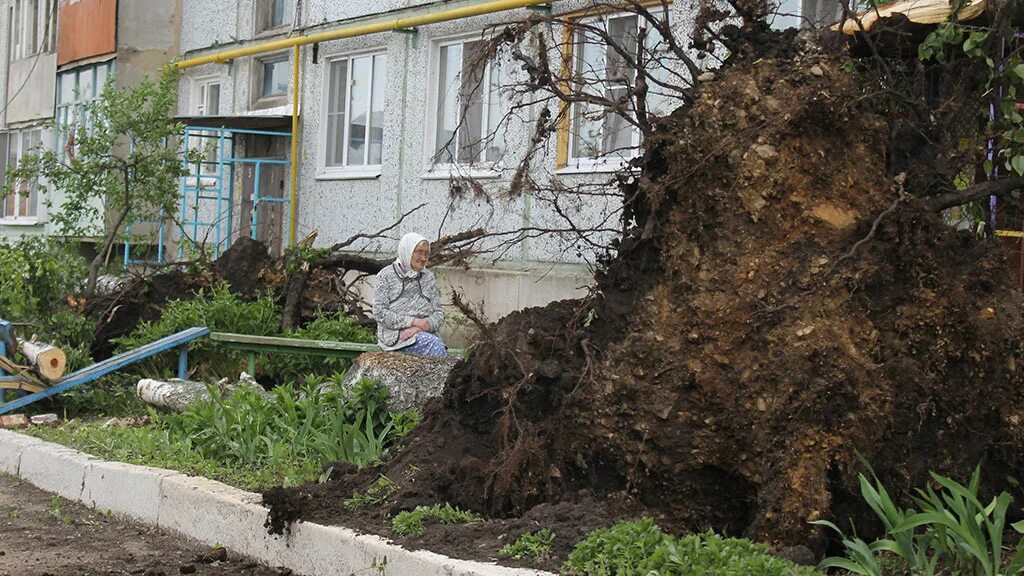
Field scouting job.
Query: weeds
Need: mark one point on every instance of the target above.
(534, 546)
(375, 495)
(56, 510)
(410, 522)
(640, 547)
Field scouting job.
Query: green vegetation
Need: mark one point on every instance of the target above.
(333, 327)
(640, 547)
(218, 309)
(375, 495)
(950, 532)
(247, 441)
(39, 277)
(410, 522)
(534, 546)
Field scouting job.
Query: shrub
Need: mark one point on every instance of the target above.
(333, 327)
(216, 308)
(320, 421)
(38, 274)
(534, 545)
(640, 547)
(410, 522)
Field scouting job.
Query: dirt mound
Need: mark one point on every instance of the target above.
(743, 346)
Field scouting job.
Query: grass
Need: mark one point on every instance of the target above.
(410, 522)
(151, 446)
(375, 495)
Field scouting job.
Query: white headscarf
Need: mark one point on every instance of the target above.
(406, 246)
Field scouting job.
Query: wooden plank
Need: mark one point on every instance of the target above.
(299, 345)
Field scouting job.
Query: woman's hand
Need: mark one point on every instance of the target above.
(409, 332)
(422, 323)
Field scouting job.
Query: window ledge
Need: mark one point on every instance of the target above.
(20, 221)
(447, 172)
(338, 174)
(590, 167)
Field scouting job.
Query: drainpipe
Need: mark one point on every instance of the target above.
(293, 203)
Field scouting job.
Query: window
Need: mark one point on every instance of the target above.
(33, 28)
(23, 202)
(595, 134)
(206, 102)
(75, 88)
(272, 14)
(272, 77)
(807, 13)
(354, 96)
(468, 106)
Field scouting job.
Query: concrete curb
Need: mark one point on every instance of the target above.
(216, 514)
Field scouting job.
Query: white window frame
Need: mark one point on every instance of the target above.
(200, 107)
(345, 171)
(443, 170)
(16, 136)
(608, 161)
(262, 17)
(63, 111)
(32, 28)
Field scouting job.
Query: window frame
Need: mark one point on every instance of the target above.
(62, 110)
(38, 184)
(43, 30)
(607, 161)
(200, 102)
(443, 170)
(258, 99)
(345, 171)
(262, 17)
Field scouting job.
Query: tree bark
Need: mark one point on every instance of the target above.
(47, 360)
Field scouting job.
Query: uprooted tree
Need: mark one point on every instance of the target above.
(788, 289)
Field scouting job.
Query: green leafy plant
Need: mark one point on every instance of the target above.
(331, 327)
(952, 532)
(218, 309)
(320, 421)
(410, 522)
(534, 546)
(375, 495)
(640, 547)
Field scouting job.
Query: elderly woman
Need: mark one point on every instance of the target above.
(407, 303)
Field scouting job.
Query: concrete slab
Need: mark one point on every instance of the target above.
(55, 468)
(11, 446)
(125, 489)
(215, 513)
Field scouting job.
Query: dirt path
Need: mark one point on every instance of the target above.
(42, 534)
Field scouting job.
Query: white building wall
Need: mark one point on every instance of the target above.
(532, 273)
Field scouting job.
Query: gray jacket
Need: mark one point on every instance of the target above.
(397, 300)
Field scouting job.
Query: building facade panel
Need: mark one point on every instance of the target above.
(87, 29)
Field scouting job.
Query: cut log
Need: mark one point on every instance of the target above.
(177, 395)
(47, 360)
(411, 380)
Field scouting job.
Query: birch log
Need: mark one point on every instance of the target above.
(47, 360)
(177, 395)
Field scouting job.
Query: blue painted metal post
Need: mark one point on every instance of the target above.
(183, 361)
(255, 200)
(5, 337)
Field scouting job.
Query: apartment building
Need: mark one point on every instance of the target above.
(58, 55)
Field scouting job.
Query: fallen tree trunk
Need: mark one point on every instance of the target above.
(47, 360)
(177, 395)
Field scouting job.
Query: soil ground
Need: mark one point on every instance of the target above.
(41, 534)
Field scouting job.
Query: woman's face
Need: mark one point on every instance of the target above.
(419, 256)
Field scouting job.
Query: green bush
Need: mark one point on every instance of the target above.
(410, 522)
(215, 308)
(640, 547)
(320, 422)
(38, 274)
(953, 532)
(334, 327)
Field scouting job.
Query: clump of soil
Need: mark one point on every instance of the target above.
(739, 352)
